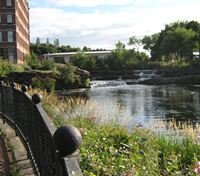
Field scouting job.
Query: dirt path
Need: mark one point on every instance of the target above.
(4, 159)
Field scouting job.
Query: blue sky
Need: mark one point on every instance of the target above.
(101, 23)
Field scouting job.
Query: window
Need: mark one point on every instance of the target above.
(10, 36)
(11, 54)
(1, 36)
(9, 3)
(9, 19)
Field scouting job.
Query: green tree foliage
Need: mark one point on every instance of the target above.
(84, 61)
(120, 47)
(179, 39)
(179, 42)
(44, 83)
(57, 43)
(47, 41)
(48, 65)
(149, 41)
(6, 68)
(119, 59)
(86, 49)
(68, 75)
(37, 41)
(45, 48)
(32, 61)
(135, 42)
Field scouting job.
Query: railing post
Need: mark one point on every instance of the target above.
(67, 140)
(52, 152)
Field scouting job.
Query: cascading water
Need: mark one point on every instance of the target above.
(138, 76)
(147, 74)
(107, 83)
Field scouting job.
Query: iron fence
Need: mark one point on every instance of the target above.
(52, 151)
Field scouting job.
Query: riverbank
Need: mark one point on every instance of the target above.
(186, 76)
(49, 76)
(181, 80)
(111, 149)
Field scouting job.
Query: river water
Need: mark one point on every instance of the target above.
(144, 104)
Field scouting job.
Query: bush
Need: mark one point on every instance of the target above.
(6, 68)
(68, 75)
(87, 83)
(84, 61)
(48, 65)
(46, 83)
(33, 61)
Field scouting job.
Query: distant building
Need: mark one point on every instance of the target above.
(65, 57)
(14, 30)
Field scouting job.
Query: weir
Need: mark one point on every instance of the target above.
(53, 152)
(147, 74)
(107, 83)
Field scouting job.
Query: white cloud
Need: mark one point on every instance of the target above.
(104, 29)
(94, 3)
(89, 3)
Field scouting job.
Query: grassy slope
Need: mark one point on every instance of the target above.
(112, 150)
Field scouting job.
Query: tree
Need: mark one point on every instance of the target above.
(37, 41)
(179, 39)
(135, 42)
(57, 43)
(149, 41)
(84, 61)
(47, 41)
(120, 46)
(179, 42)
(86, 49)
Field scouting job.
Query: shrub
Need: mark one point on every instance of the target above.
(68, 75)
(6, 68)
(48, 65)
(33, 61)
(87, 83)
(46, 83)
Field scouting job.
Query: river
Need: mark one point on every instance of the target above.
(144, 104)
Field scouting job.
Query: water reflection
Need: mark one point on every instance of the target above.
(143, 104)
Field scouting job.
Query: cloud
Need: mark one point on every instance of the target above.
(89, 3)
(95, 3)
(104, 29)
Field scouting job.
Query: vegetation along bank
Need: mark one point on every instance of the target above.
(109, 149)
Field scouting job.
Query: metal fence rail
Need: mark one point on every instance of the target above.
(52, 151)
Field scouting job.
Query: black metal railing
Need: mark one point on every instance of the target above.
(52, 151)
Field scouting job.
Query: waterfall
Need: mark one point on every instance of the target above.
(108, 83)
(147, 74)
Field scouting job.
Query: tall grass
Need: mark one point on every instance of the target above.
(6, 68)
(110, 149)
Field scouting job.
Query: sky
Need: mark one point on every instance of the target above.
(102, 23)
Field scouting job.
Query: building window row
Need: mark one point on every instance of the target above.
(8, 53)
(8, 3)
(10, 36)
(9, 18)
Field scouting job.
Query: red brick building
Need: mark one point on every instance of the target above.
(14, 30)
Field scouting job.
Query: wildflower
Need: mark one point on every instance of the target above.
(197, 168)
(198, 137)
